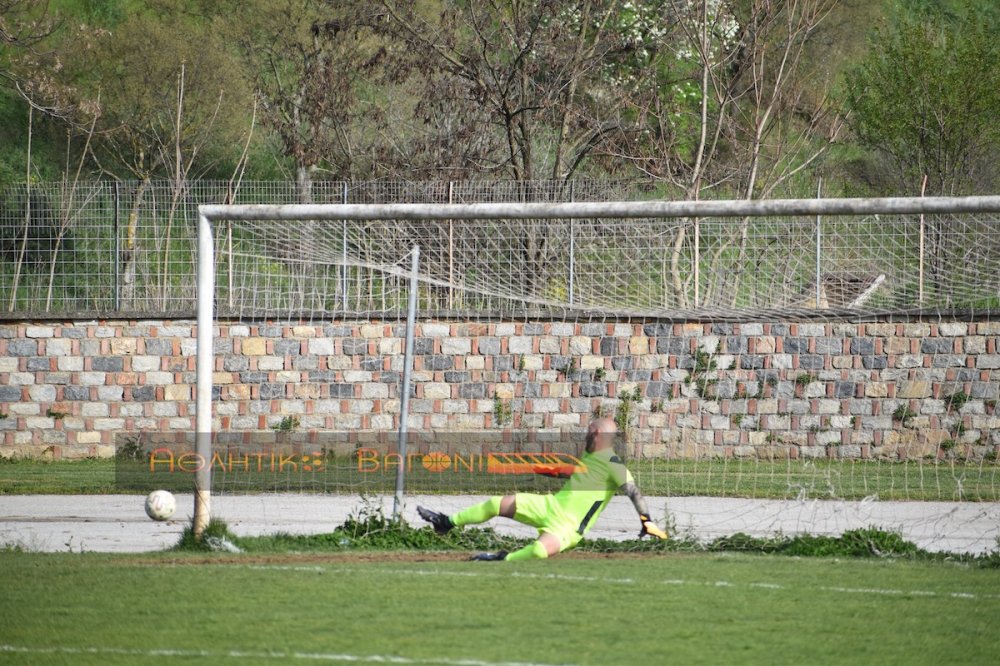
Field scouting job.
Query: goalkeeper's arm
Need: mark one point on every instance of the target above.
(639, 502)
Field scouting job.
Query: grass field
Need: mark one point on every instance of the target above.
(761, 479)
(434, 608)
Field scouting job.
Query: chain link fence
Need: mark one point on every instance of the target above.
(128, 249)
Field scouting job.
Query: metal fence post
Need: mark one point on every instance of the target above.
(819, 240)
(923, 228)
(572, 242)
(343, 265)
(697, 261)
(451, 249)
(116, 247)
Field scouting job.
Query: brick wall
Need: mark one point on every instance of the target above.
(751, 389)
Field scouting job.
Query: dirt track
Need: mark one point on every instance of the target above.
(117, 523)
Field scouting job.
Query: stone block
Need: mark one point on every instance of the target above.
(937, 346)
(672, 346)
(764, 345)
(952, 329)
(58, 347)
(914, 389)
(123, 346)
(547, 344)
(270, 363)
(876, 389)
(460, 346)
(107, 363)
(374, 390)
(286, 347)
(38, 364)
(38, 331)
(435, 330)
(520, 345)
(22, 348)
(438, 363)
(390, 346)
(827, 406)
(177, 392)
(580, 345)
(356, 346)
(988, 361)
(42, 393)
(146, 363)
(812, 330)
(437, 391)
(157, 378)
(875, 362)
(916, 330)
(488, 346)
(638, 344)
(253, 347)
(828, 346)
(545, 405)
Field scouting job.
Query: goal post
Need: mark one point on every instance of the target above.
(582, 304)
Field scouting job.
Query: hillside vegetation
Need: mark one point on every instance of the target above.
(706, 98)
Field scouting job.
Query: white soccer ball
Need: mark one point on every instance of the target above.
(160, 505)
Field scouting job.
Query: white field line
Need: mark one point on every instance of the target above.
(277, 655)
(761, 585)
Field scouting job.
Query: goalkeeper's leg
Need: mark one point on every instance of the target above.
(545, 546)
(473, 515)
(480, 513)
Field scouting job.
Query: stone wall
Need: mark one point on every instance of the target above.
(746, 390)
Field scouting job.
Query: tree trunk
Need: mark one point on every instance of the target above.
(130, 249)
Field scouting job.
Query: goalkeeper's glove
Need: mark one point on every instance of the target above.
(650, 528)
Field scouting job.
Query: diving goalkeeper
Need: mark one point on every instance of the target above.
(563, 518)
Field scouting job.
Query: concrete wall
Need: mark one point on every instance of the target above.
(776, 390)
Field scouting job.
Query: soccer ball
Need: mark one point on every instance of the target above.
(160, 505)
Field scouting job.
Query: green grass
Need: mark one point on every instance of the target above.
(681, 609)
(57, 477)
(823, 479)
(371, 531)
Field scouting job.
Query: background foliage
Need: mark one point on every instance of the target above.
(717, 98)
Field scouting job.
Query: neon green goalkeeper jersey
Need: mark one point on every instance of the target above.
(588, 491)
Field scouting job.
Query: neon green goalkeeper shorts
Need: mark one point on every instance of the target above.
(544, 513)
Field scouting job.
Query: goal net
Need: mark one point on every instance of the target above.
(773, 366)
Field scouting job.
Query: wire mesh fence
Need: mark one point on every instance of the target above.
(130, 249)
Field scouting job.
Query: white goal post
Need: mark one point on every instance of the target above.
(211, 214)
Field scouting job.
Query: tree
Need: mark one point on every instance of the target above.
(521, 83)
(168, 101)
(171, 98)
(24, 24)
(310, 62)
(926, 99)
(714, 103)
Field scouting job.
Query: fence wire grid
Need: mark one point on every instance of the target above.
(129, 249)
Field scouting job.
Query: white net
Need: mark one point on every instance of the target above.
(779, 392)
(720, 267)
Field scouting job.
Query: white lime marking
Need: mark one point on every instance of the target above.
(276, 655)
(615, 581)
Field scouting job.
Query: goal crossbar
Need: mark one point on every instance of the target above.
(620, 209)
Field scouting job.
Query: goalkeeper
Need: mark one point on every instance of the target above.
(563, 518)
